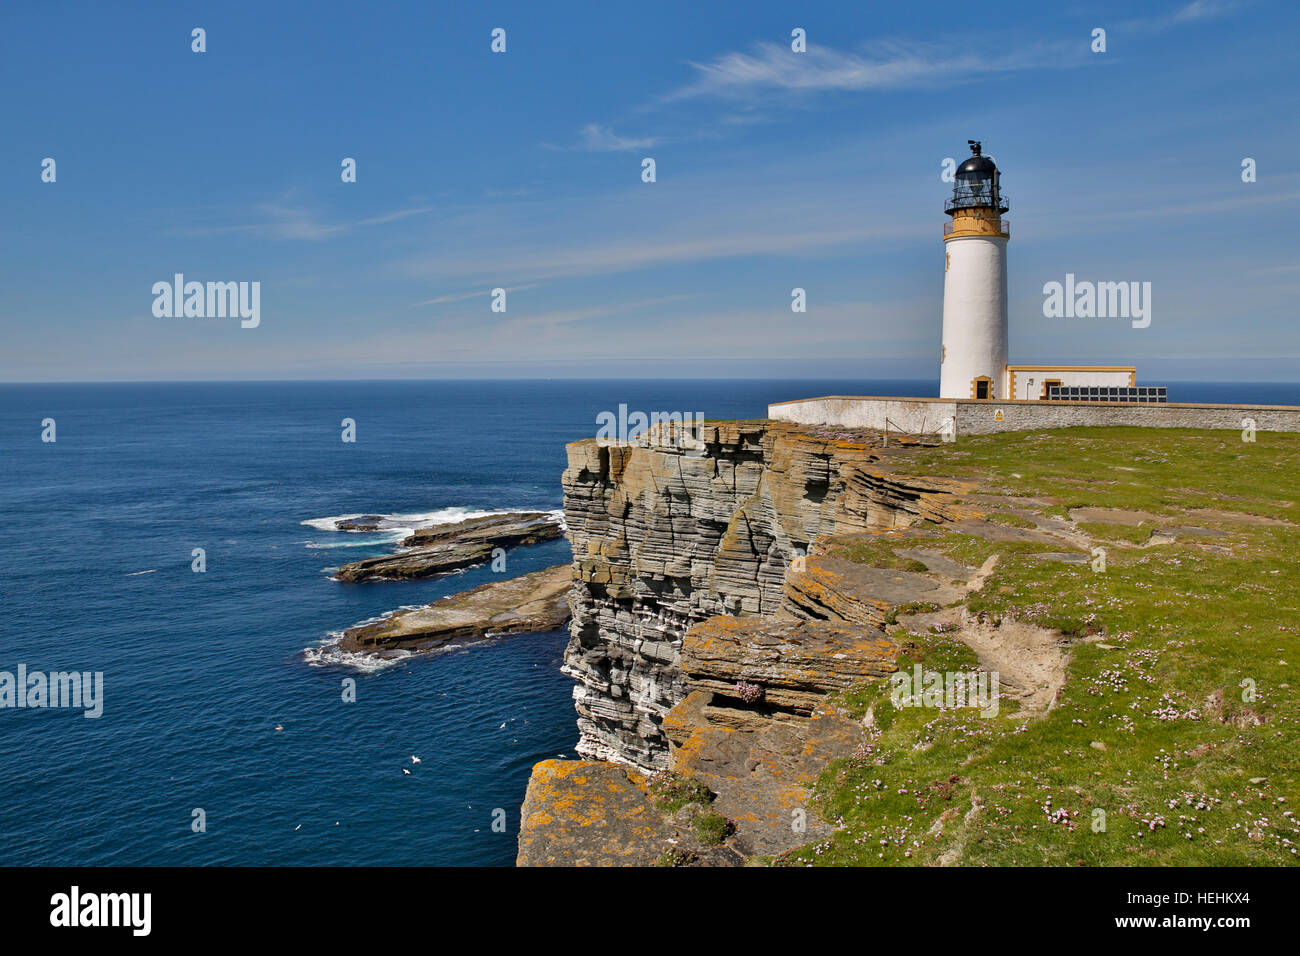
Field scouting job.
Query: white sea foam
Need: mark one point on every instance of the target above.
(415, 519)
(355, 543)
(134, 574)
(329, 654)
(392, 527)
(395, 527)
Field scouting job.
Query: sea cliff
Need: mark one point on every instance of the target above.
(739, 608)
(712, 540)
(665, 536)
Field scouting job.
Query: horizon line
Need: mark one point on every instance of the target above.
(568, 378)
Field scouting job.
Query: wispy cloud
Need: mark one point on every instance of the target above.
(1194, 12)
(626, 255)
(602, 139)
(1275, 270)
(285, 219)
(514, 193)
(1128, 207)
(697, 218)
(775, 67)
(595, 138)
(462, 296)
(1202, 10)
(394, 216)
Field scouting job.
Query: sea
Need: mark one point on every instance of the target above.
(231, 733)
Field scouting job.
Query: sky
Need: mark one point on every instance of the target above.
(522, 170)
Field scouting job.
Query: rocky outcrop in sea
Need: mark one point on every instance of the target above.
(529, 604)
(444, 548)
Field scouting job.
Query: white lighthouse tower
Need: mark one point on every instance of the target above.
(974, 356)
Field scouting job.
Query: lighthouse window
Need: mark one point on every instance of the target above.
(982, 388)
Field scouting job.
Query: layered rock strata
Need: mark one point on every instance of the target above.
(757, 725)
(665, 535)
(533, 603)
(793, 664)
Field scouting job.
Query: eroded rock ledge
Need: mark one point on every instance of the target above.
(664, 538)
(449, 547)
(755, 756)
(533, 603)
(707, 642)
(794, 664)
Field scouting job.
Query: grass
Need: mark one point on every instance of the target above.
(1104, 531)
(877, 553)
(1143, 469)
(973, 551)
(674, 857)
(916, 607)
(1180, 668)
(671, 791)
(710, 828)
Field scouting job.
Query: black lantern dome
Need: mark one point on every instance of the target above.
(976, 185)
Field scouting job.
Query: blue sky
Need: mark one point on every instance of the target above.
(522, 170)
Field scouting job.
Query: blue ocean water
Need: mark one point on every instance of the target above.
(199, 669)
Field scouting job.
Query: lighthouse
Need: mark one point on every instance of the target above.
(980, 392)
(973, 361)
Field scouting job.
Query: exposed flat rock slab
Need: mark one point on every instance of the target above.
(939, 564)
(444, 548)
(1190, 532)
(590, 813)
(416, 563)
(532, 604)
(836, 589)
(1239, 517)
(1064, 557)
(992, 531)
(1115, 516)
(760, 768)
(504, 530)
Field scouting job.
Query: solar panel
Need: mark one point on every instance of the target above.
(1107, 393)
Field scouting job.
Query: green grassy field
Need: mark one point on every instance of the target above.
(1174, 738)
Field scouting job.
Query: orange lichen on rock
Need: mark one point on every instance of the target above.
(711, 627)
(589, 813)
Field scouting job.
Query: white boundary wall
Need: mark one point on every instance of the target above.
(926, 416)
(916, 416)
